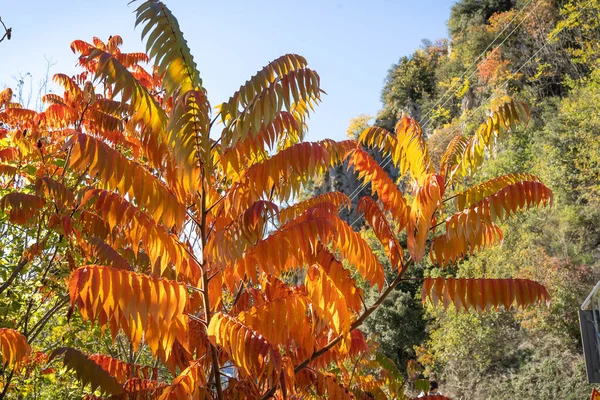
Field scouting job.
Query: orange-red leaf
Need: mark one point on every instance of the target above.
(410, 153)
(498, 206)
(286, 128)
(87, 371)
(5, 96)
(23, 206)
(283, 175)
(452, 157)
(427, 200)
(14, 349)
(188, 385)
(230, 242)
(283, 322)
(328, 385)
(8, 154)
(139, 304)
(338, 199)
(143, 107)
(328, 300)
(251, 352)
(297, 90)
(376, 219)
(290, 247)
(56, 191)
(342, 278)
(356, 250)
(138, 388)
(504, 119)
(387, 192)
(482, 294)
(447, 250)
(97, 249)
(126, 176)
(123, 371)
(379, 138)
(276, 69)
(162, 246)
(188, 137)
(476, 193)
(406, 148)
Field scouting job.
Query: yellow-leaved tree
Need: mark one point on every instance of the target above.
(173, 224)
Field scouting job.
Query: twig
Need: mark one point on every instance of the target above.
(354, 369)
(44, 320)
(7, 31)
(16, 270)
(7, 384)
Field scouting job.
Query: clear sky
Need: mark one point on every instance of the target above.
(350, 43)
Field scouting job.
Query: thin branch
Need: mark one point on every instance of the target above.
(450, 198)
(438, 224)
(16, 270)
(412, 279)
(44, 320)
(7, 384)
(211, 124)
(203, 322)
(209, 209)
(358, 360)
(25, 320)
(237, 295)
(217, 272)
(7, 31)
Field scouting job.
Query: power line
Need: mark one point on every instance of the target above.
(475, 70)
(357, 191)
(548, 40)
(515, 73)
(477, 59)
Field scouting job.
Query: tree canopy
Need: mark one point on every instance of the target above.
(158, 246)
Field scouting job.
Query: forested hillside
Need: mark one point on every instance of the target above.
(545, 53)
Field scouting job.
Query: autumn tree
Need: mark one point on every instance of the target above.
(172, 228)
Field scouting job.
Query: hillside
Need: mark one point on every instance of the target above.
(545, 53)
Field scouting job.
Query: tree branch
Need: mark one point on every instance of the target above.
(7, 31)
(25, 320)
(37, 329)
(16, 270)
(7, 384)
(204, 238)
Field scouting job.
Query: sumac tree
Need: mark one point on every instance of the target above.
(172, 225)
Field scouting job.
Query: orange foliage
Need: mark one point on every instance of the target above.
(481, 294)
(14, 348)
(203, 261)
(493, 68)
(138, 304)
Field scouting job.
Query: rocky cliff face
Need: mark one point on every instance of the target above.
(346, 181)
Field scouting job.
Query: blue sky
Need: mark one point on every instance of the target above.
(351, 44)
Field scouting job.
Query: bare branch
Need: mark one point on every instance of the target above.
(7, 31)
